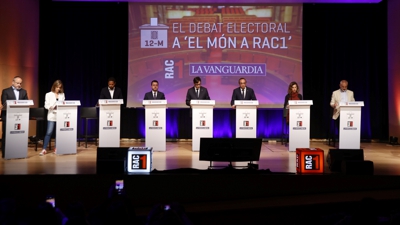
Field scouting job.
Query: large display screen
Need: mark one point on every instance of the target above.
(218, 43)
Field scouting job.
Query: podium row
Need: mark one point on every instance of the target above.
(17, 124)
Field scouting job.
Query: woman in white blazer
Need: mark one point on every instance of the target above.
(56, 94)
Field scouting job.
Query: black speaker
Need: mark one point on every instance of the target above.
(111, 160)
(336, 156)
(358, 167)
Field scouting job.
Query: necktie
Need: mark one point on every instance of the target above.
(154, 95)
(243, 93)
(197, 92)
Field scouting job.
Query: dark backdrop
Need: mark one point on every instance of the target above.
(84, 43)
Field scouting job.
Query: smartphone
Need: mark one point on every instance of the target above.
(119, 185)
(167, 207)
(50, 199)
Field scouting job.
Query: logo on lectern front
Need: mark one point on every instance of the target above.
(246, 123)
(109, 123)
(202, 123)
(299, 123)
(17, 126)
(349, 123)
(155, 123)
(66, 124)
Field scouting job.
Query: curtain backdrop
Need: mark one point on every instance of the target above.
(84, 43)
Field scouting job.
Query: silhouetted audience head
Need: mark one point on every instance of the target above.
(76, 214)
(168, 214)
(45, 214)
(8, 214)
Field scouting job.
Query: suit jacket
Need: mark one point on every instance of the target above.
(336, 96)
(149, 95)
(8, 94)
(191, 94)
(237, 95)
(105, 93)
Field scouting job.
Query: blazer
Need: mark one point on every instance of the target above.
(287, 98)
(8, 94)
(105, 93)
(50, 100)
(149, 95)
(336, 96)
(191, 94)
(237, 95)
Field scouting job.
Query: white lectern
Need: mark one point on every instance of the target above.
(110, 122)
(155, 111)
(202, 121)
(17, 128)
(299, 124)
(350, 125)
(66, 132)
(246, 118)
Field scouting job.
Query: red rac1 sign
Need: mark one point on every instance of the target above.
(309, 160)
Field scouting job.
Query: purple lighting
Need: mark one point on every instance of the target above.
(232, 1)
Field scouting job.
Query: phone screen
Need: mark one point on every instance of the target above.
(51, 200)
(119, 185)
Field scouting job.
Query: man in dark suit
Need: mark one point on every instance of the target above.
(197, 91)
(154, 93)
(242, 92)
(15, 92)
(111, 92)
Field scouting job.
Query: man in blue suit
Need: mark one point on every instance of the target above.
(197, 91)
(154, 93)
(15, 92)
(242, 92)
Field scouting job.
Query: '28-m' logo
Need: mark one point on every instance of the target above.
(173, 67)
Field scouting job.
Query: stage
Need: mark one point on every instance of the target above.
(206, 194)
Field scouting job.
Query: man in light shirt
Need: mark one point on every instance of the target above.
(341, 95)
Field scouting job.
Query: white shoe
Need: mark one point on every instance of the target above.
(43, 153)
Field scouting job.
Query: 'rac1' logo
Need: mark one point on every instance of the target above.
(139, 161)
(311, 162)
(173, 67)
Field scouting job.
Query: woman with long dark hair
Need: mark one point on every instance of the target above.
(293, 94)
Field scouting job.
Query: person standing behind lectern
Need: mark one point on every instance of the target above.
(111, 91)
(56, 94)
(15, 92)
(196, 92)
(242, 92)
(340, 95)
(154, 93)
(293, 94)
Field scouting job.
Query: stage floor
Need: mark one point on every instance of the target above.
(274, 156)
